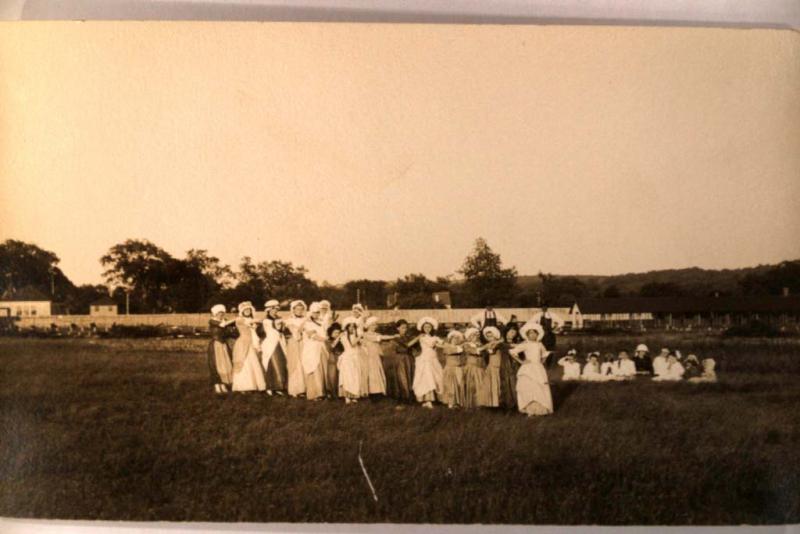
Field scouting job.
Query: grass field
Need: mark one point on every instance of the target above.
(128, 429)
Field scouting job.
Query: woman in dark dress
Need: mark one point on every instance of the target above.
(219, 357)
(508, 367)
(273, 349)
(401, 362)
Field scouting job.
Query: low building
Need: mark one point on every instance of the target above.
(688, 312)
(103, 307)
(25, 302)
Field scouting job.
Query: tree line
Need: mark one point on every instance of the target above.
(151, 280)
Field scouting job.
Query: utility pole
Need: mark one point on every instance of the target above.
(358, 295)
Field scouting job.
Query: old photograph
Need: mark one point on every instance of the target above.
(399, 273)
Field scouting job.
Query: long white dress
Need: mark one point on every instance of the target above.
(311, 359)
(296, 384)
(428, 373)
(533, 387)
(375, 373)
(363, 356)
(348, 364)
(247, 372)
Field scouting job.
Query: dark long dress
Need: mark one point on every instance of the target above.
(399, 364)
(218, 355)
(508, 377)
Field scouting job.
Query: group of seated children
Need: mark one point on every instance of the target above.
(668, 366)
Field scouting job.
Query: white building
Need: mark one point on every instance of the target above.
(26, 302)
(103, 307)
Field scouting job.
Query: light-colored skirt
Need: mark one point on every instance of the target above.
(476, 385)
(493, 383)
(453, 385)
(296, 384)
(363, 367)
(533, 390)
(376, 378)
(315, 382)
(349, 374)
(427, 377)
(248, 375)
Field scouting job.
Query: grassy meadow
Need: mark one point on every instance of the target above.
(129, 430)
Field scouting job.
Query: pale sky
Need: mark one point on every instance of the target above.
(378, 150)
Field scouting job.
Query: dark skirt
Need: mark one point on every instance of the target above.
(276, 371)
(508, 381)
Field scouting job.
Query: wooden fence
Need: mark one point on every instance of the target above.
(200, 320)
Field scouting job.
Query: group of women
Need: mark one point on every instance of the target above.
(311, 355)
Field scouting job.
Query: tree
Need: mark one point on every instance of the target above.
(211, 267)
(139, 267)
(561, 288)
(773, 280)
(486, 281)
(612, 292)
(415, 291)
(267, 280)
(282, 280)
(372, 292)
(25, 264)
(661, 289)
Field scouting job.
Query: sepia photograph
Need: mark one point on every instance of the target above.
(336, 272)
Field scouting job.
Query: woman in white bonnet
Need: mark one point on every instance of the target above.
(296, 384)
(533, 385)
(314, 336)
(642, 361)
(428, 376)
(248, 374)
(219, 357)
(372, 344)
(359, 317)
(348, 363)
(273, 349)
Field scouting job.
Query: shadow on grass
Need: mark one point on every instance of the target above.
(561, 392)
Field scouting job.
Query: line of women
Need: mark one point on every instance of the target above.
(311, 355)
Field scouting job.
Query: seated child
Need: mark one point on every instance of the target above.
(591, 371)
(709, 374)
(673, 371)
(692, 367)
(624, 367)
(660, 362)
(607, 367)
(572, 369)
(641, 358)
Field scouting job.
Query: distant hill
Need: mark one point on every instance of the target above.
(692, 280)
